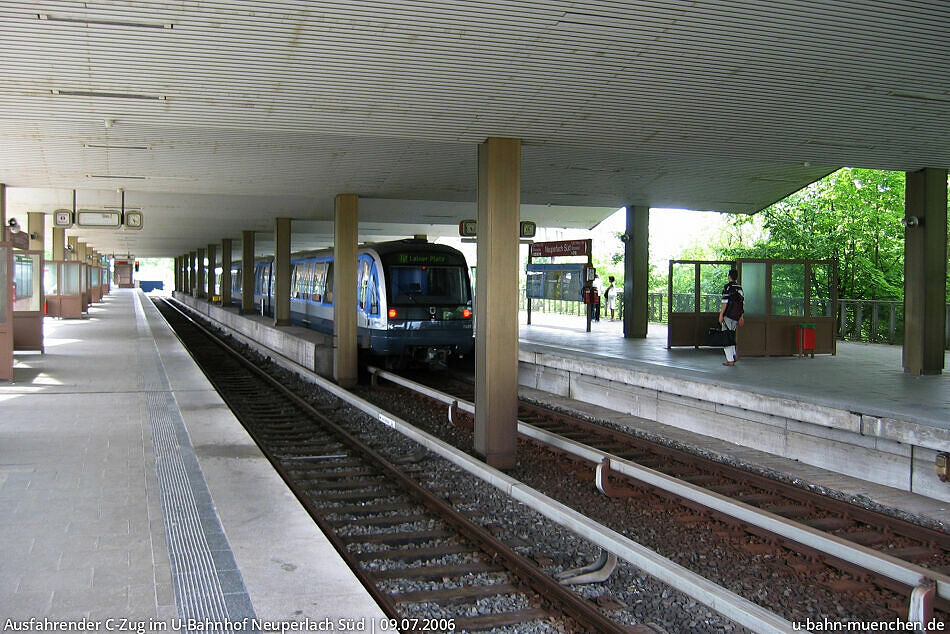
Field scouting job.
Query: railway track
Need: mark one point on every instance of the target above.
(867, 548)
(429, 567)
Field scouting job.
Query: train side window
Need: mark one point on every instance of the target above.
(306, 282)
(319, 279)
(328, 293)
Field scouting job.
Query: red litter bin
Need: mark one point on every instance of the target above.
(805, 339)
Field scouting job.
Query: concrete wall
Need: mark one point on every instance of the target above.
(891, 452)
(308, 348)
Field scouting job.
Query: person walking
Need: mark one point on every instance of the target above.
(731, 313)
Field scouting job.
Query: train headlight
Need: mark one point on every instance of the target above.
(391, 313)
(466, 313)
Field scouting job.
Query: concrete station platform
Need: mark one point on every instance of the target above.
(853, 422)
(129, 491)
(855, 413)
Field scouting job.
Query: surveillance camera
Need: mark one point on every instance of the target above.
(69, 247)
(911, 221)
(14, 225)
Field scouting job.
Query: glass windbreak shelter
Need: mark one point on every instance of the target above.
(70, 290)
(95, 285)
(51, 288)
(782, 298)
(28, 300)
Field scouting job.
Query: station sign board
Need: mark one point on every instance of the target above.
(87, 218)
(560, 248)
(20, 240)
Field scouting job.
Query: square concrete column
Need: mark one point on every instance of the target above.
(496, 305)
(212, 263)
(193, 273)
(925, 270)
(36, 226)
(247, 272)
(636, 272)
(282, 238)
(226, 248)
(59, 243)
(345, 244)
(202, 277)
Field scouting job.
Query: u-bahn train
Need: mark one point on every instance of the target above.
(414, 298)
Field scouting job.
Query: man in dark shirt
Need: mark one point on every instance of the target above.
(730, 315)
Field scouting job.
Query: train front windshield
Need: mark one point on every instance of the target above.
(427, 285)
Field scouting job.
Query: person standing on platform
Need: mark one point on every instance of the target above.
(598, 291)
(730, 315)
(610, 297)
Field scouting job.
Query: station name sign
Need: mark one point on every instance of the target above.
(560, 248)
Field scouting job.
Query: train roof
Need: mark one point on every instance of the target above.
(382, 248)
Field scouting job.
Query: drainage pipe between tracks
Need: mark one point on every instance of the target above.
(880, 563)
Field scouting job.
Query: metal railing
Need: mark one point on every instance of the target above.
(867, 320)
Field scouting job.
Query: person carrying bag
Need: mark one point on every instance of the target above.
(731, 314)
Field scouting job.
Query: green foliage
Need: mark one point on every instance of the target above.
(852, 215)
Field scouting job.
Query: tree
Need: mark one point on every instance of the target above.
(852, 215)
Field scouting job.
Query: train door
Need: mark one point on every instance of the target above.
(367, 292)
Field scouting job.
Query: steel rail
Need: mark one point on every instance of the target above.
(567, 602)
(885, 565)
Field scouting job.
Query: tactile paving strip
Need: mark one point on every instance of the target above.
(208, 585)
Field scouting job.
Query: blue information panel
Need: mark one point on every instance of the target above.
(555, 281)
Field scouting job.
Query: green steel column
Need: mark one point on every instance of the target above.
(345, 242)
(247, 272)
(496, 306)
(925, 270)
(226, 248)
(636, 272)
(282, 237)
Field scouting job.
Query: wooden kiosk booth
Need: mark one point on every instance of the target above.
(790, 305)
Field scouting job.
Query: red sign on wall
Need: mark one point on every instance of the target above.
(559, 248)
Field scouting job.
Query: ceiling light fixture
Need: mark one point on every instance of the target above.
(141, 178)
(140, 25)
(107, 95)
(116, 147)
(922, 96)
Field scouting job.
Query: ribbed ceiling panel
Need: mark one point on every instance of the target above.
(725, 105)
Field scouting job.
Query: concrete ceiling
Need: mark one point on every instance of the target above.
(219, 116)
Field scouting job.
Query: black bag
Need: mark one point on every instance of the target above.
(718, 338)
(736, 306)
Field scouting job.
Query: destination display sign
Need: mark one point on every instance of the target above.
(560, 248)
